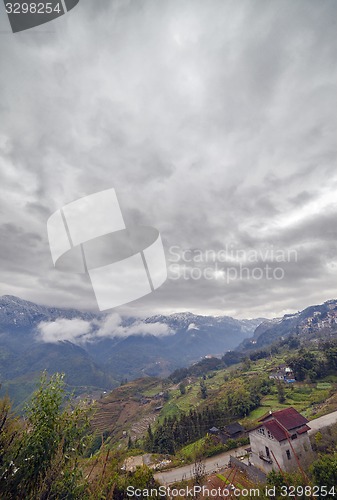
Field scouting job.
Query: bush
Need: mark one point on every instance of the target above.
(40, 460)
(324, 471)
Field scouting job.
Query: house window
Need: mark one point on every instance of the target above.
(267, 452)
(261, 431)
(294, 436)
(269, 435)
(288, 455)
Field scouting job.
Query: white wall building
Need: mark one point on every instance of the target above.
(281, 441)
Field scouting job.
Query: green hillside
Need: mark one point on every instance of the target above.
(163, 421)
(242, 392)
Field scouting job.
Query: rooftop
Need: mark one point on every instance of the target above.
(233, 428)
(288, 418)
(283, 423)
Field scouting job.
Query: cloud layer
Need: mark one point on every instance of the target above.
(214, 122)
(80, 331)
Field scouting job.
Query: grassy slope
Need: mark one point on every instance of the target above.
(121, 410)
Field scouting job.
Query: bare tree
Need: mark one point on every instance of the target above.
(199, 470)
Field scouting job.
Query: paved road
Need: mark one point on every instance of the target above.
(320, 422)
(186, 472)
(219, 461)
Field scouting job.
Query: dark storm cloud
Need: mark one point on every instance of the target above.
(213, 121)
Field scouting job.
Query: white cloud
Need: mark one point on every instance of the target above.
(112, 326)
(73, 330)
(207, 118)
(157, 329)
(79, 331)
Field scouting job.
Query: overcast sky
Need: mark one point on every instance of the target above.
(215, 121)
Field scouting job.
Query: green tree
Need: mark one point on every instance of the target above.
(148, 442)
(203, 389)
(331, 355)
(303, 363)
(280, 392)
(246, 364)
(324, 471)
(130, 444)
(142, 478)
(182, 388)
(10, 434)
(43, 460)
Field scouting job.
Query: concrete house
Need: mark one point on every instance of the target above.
(280, 441)
(283, 373)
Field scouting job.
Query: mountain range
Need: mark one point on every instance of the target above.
(99, 351)
(313, 323)
(104, 349)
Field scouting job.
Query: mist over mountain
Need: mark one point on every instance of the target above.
(97, 351)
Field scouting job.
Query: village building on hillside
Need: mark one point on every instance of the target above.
(231, 431)
(234, 431)
(280, 441)
(283, 373)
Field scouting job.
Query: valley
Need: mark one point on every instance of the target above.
(152, 424)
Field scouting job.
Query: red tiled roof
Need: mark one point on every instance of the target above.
(275, 430)
(303, 429)
(288, 418)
